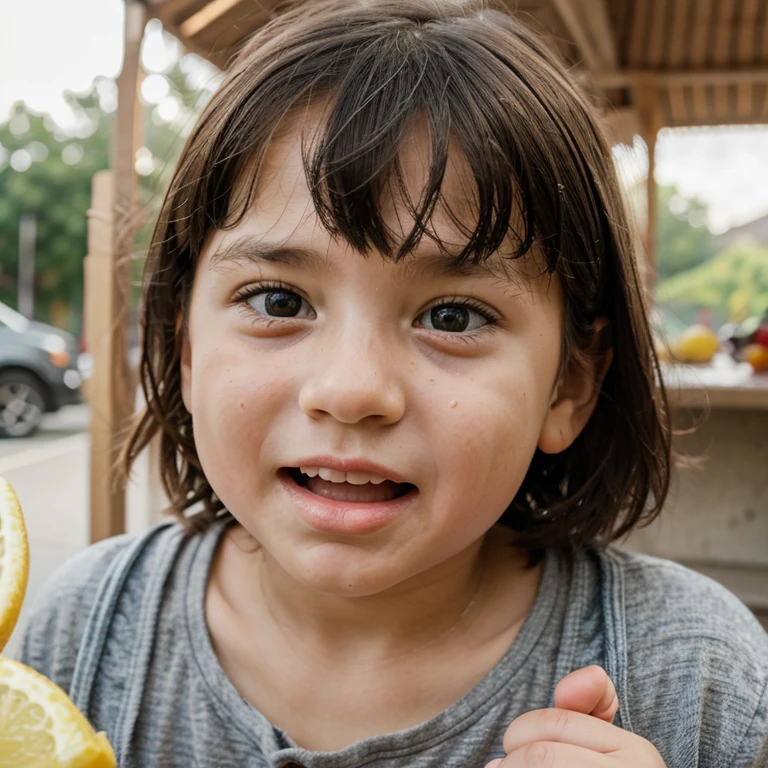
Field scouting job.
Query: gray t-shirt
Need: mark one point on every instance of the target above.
(122, 628)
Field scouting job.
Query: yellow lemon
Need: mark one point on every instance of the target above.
(696, 344)
(14, 561)
(40, 726)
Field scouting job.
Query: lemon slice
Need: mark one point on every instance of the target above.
(14, 561)
(41, 728)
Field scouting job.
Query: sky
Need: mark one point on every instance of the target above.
(48, 46)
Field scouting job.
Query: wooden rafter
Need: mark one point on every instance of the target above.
(589, 25)
(664, 78)
(209, 14)
(721, 54)
(745, 53)
(638, 35)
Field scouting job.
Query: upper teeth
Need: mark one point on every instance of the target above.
(335, 476)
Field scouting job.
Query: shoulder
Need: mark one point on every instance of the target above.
(60, 612)
(696, 656)
(665, 601)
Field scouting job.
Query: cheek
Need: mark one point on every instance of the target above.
(234, 404)
(487, 440)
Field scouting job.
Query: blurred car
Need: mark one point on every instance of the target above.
(38, 372)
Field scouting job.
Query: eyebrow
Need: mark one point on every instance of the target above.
(253, 250)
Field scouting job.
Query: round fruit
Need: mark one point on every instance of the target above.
(761, 335)
(757, 356)
(696, 344)
(40, 726)
(14, 561)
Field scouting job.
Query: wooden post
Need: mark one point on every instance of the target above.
(649, 110)
(112, 230)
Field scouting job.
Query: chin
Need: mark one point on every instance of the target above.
(332, 569)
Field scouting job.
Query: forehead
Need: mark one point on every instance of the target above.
(282, 224)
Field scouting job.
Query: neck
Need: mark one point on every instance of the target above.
(425, 611)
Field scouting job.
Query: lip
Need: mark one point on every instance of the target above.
(351, 465)
(345, 518)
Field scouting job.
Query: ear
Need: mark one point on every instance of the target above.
(186, 366)
(576, 393)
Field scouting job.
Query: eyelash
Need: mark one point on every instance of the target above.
(242, 297)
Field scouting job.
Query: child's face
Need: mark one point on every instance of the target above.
(360, 367)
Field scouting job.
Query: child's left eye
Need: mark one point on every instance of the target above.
(455, 317)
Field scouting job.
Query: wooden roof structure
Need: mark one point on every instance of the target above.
(651, 63)
(693, 62)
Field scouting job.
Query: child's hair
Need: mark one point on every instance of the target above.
(482, 79)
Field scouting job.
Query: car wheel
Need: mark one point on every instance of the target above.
(22, 403)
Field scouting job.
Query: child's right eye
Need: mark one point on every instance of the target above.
(275, 301)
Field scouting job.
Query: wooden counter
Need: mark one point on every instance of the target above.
(725, 384)
(716, 515)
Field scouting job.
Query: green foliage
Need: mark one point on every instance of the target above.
(683, 241)
(734, 284)
(57, 193)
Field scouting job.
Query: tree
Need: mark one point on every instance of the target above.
(734, 285)
(48, 172)
(49, 175)
(683, 240)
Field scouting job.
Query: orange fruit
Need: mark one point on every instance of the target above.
(757, 356)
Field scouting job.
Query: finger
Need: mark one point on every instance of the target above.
(495, 763)
(566, 727)
(589, 691)
(554, 755)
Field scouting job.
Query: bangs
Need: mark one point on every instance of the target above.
(442, 75)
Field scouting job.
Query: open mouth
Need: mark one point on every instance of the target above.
(351, 492)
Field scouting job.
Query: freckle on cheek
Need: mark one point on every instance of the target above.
(242, 405)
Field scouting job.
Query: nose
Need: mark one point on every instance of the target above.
(352, 379)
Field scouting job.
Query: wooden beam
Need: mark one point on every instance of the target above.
(721, 54)
(207, 15)
(112, 228)
(621, 125)
(638, 40)
(646, 99)
(745, 52)
(624, 78)
(589, 25)
(657, 43)
(171, 11)
(678, 35)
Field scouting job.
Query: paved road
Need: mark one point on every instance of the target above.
(50, 473)
(72, 420)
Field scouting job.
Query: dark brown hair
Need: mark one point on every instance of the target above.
(484, 80)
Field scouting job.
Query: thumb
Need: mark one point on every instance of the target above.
(589, 691)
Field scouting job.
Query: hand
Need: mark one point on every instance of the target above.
(577, 732)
